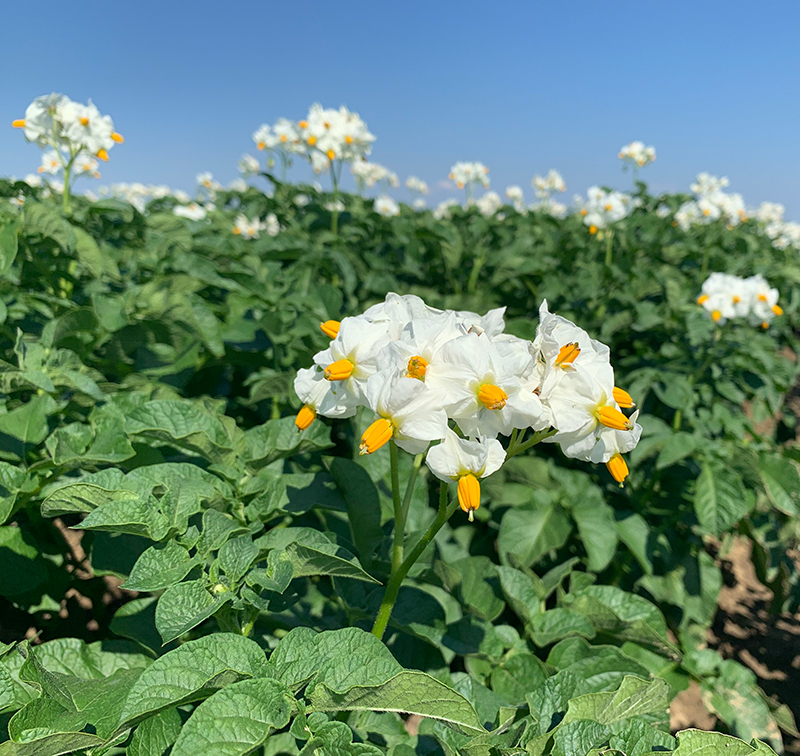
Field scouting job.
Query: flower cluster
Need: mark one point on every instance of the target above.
(467, 175)
(711, 204)
(725, 296)
(414, 184)
(369, 174)
(455, 376)
(488, 204)
(604, 208)
(783, 233)
(335, 135)
(546, 185)
(251, 228)
(386, 206)
(74, 135)
(637, 153)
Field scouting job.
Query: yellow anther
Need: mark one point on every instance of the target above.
(584, 211)
(451, 176)
(608, 207)
(777, 309)
(623, 398)
(375, 436)
(592, 230)
(117, 137)
(260, 146)
(331, 154)
(706, 211)
(618, 469)
(305, 417)
(762, 297)
(469, 494)
(702, 299)
(283, 138)
(312, 140)
(765, 325)
(84, 121)
(18, 123)
(716, 315)
(103, 155)
(303, 124)
(736, 299)
(568, 354)
(492, 397)
(330, 328)
(237, 230)
(417, 367)
(611, 417)
(348, 139)
(339, 371)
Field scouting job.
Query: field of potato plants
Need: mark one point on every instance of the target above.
(290, 470)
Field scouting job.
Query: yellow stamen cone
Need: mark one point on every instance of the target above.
(592, 230)
(623, 398)
(330, 328)
(103, 155)
(303, 124)
(618, 469)
(348, 139)
(469, 494)
(375, 436)
(305, 417)
(118, 138)
(417, 367)
(777, 309)
(312, 140)
(702, 299)
(260, 146)
(340, 370)
(568, 354)
(716, 315)
(611, 417)
(237, 231)
(492, 397)
(18, 123)
(84, 121)
(331, 155)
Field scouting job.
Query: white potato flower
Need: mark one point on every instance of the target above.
(637, 153)
(466, 461)
(386, 206)
(192, 211)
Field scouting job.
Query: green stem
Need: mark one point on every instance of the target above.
(67, 177)
(608, 248)
(335, 213)
(397, 577)
(399, 520)
(515, 449)
(676, 421)
(410, 485)
(480, 259)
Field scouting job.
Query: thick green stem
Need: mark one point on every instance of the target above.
(410, 485)
(397, 577)
(67, 177)
(335, 212)
(608, 248)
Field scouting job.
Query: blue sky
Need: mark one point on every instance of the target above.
(521, 86)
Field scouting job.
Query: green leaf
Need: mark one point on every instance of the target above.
(236, 720)
(677, 447)
(44, 221)
(184, 606)
(558, 623)
(520, 592)
(579, 737)
(363, 506)
(125, 515)
(159, 567)
(516, 675)
(52, 745)
(720, 500)
(235, 557)
(192, 672)
(324, 559)
(81, 497)
(634, 532)
(528, 533)
(639, 737)
(634, 698)
(26, 424)
(340, 659)
(700, 743)
(278, 439)
(408, 692)
(186, 424)
(782, 482)
(597, 529)
(156, 734)
(8, 246)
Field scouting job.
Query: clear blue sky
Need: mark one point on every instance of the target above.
(521, 86)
